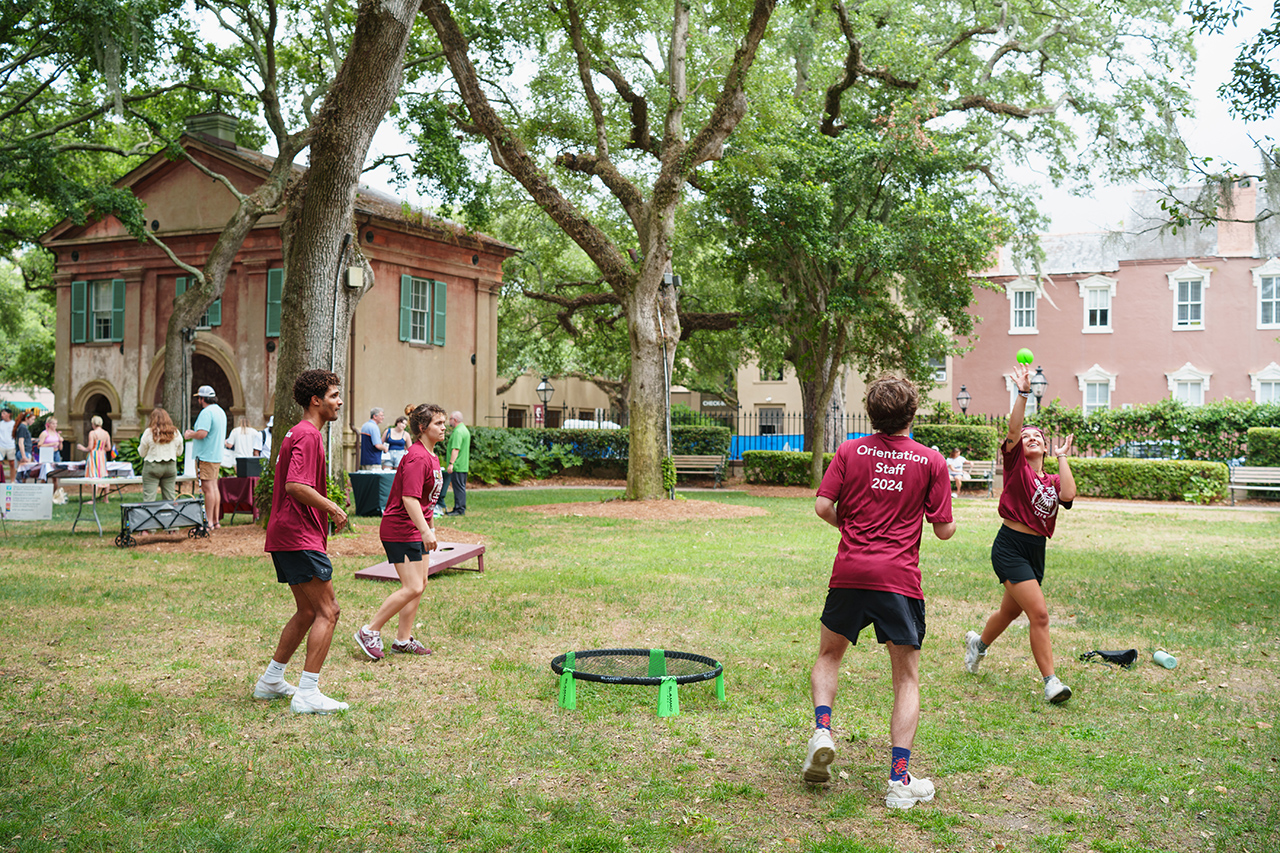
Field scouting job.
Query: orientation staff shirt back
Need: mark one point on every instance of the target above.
(294, 526)
(883, 485)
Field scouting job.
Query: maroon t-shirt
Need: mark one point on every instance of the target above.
(294, 526)
(418, 476)
(882, 485)
(1026, 498)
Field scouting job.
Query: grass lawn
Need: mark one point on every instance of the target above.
(126, 721)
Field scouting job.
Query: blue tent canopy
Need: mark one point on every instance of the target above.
(24, 405)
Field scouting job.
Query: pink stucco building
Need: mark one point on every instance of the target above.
(1135, 316)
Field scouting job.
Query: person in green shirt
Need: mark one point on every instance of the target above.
(457, 461)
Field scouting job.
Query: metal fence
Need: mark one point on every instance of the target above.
(749, 430)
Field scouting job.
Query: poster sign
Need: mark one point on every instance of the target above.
(26, 501)
(539, 414)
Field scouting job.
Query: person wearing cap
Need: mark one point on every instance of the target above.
(206, 443)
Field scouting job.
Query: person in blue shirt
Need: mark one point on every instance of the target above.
(206, 440)
(371, 444)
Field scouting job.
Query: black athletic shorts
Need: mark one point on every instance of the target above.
(295, 567)
(1017, 556)
(399, 552)
(898, 618)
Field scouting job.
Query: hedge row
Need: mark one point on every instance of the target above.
(1264, 447)
(1133, 479)
(975, 442)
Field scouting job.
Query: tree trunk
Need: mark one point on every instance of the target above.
(818, 368)
(209, 284)
(317, 304)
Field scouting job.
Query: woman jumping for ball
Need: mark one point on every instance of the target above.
(408, 533)
(1028, 509)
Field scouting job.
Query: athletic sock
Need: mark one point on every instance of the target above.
(1047, 677)
(822, 717)
(275, 671)
(308, 682)
(982, 647)
(898, 765)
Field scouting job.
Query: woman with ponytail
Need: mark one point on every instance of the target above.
(408, 533)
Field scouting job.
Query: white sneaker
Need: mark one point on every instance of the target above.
(904, 796)
(273, 689)
(973, 657)
(817, 762)
(315, 702)
(1055, 691)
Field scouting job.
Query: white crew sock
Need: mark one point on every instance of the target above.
(309, 682)
(275, 672)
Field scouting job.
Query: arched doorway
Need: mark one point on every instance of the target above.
(98, 405)
(204, 371)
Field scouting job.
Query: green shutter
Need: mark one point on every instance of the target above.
(275, 296)
(79, 303)
(179, 286)
(406, 303)
(117, 310)
(214, 312)
(437, 305)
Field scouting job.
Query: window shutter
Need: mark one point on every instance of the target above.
(179, 286)
(437, 305)
(117, 310)
(79, 300)
(406, 304)
(275, 297)
(214, 312)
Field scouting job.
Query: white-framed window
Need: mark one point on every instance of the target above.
(100, 294)
(1266, 384)
(771, 374)
(939, 366)
(1266, 279)
(419, 310)
(1033, 405)
(1189, 384)
(1096, 386)
(1023, 294)
(1188, 284)
(1096, 292)
(770, 420)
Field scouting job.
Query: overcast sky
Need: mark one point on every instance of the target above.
(1213, 133)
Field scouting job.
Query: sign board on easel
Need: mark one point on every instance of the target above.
(26, 501)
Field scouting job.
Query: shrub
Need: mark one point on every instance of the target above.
(780, 467)
(547, 461)
(1146, 479)
(974, 441)
(1264, 447)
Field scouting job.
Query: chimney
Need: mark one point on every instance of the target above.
(216, 127)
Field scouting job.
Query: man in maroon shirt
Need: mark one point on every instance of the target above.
(875, 492)
(297, 539)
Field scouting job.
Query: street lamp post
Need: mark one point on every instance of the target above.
(1038, 384)
(963, 398)
(544, 390)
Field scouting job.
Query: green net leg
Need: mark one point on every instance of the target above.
(668, 697)
(657, 663)
(568, 685)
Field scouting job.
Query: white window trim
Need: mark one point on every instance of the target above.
(1271, 269)
(415, 281)
(1023, 285)
(1012, 388)
(1096, 282)
(1095, 374)
(1190, 373)
(1270, 373)
(92, 311)
(1190, 272)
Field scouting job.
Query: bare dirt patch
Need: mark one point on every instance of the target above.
(655, 510)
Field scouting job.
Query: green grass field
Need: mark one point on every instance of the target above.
(126, 721)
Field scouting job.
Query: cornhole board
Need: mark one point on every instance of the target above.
(446, 556)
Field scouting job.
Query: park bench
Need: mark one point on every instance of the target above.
(712, 464)
(161, 515)
(1244, 478)
(980, 471)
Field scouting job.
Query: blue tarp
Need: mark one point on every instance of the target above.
(739, 443)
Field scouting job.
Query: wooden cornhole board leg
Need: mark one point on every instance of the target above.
(446, 556)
